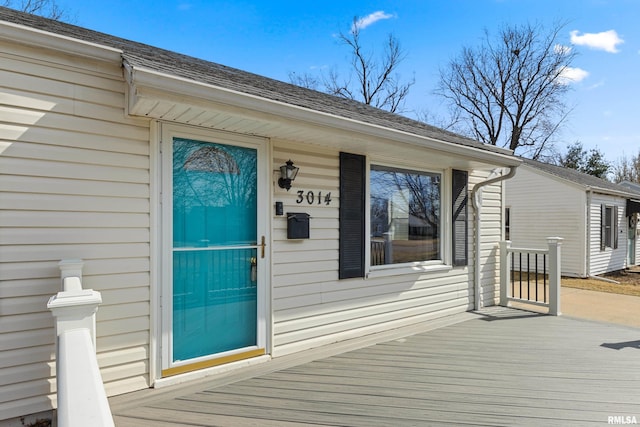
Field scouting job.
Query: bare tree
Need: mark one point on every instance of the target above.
(373, 81)
(509, 90)
(627, 169)
(47, 8)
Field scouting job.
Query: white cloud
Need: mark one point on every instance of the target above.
(570, 75)
(372, 18)
(606, 40)
(596, 85)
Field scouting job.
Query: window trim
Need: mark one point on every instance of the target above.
(609, 232)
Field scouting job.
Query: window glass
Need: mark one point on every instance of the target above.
(405, 215)
(608, 225)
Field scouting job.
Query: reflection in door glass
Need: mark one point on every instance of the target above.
(214, 194)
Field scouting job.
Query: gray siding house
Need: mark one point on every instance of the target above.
(162, 172)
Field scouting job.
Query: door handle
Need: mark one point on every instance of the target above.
(263, 244)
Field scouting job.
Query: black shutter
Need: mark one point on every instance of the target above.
(603, 227)
(352, 215)
(459, 223)
(614, 226)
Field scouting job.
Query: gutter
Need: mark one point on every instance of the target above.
(600, 190)
(477, 210)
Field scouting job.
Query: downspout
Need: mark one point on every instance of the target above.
(476, 207)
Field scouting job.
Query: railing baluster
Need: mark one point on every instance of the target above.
(545, 277)
(513, 273)
(520, 271)
(537, 277)
(528, 278)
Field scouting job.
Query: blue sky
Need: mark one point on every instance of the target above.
(274, 38)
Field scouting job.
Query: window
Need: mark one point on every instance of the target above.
(608, 227)
(405, 215)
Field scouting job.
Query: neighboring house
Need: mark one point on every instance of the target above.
(161, 171)
(596, 218)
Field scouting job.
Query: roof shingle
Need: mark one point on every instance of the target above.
(580, 178)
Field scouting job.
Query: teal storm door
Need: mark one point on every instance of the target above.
(215, 253)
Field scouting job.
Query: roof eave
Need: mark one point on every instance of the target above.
(43, 39)
(611, 192)
(147, 83)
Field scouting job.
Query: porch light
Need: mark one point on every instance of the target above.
(288, 173)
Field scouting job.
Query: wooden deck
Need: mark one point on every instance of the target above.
(501, 367)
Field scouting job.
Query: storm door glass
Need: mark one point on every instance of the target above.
(214, 248)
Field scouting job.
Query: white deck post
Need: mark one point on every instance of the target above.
(82, 400)
(555, 277)
(505, 266)
(74, 307)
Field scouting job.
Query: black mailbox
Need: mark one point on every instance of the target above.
(297, 225)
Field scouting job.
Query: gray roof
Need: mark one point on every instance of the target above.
(634, 186)
(175, 64)
(580, 178)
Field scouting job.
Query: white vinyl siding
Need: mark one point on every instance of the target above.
(609, 259)
(491, 233)
(637, 241)
(637, 260)
(312, 307)
(74, 183)
(545, 206)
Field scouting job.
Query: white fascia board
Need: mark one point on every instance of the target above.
(609, 192)
(47, 40)
(143, 80)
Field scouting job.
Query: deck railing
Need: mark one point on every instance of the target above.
(82, 400)
(530, 275)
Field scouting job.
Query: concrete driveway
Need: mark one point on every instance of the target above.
(601, 306)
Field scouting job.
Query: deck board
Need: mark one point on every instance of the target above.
(503, 367)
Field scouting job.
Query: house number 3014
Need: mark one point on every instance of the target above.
(313, 197)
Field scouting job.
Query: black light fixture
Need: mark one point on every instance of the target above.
(288, 173)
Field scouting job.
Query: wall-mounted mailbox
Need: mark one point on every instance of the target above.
(297, 225)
